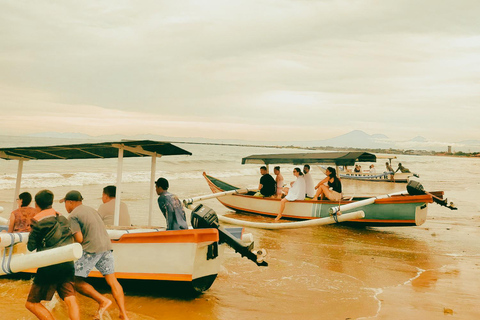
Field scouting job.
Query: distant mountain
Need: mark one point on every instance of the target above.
(353, 139)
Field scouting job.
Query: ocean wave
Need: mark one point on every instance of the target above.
(50, 180)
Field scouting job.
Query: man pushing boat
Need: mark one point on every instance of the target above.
(89, 230)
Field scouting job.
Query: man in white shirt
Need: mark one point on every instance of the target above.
(309, 185)
(107, 209)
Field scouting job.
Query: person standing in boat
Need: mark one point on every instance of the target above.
(390, 170)
(51, 230)
(279, 181)
(267, 186)
(372, 169)
(107, 208)
(20, 218)
(309, 185)
(333, 189)
(89, 230)
(170, 206)
(296, 192)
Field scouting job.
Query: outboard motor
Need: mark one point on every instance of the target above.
(415, 188)
(204, 217)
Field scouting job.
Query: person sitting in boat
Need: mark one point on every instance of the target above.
(372, 169)
(333, 189)
(309, 186)
(88, 230)
(279, 181)
(21, 218)
(51, 230)
(357, 168)
(402, 169)
(107, 208)
(170, 206)
(296, 192)
(267, 186)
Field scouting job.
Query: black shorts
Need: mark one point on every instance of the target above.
(59, 277)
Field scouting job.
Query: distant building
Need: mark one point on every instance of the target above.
(449, 149)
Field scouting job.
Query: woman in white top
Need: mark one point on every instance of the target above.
(296, 192)
(279, 180)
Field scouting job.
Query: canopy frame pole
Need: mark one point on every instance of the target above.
(152, 188)
(118, 193)
(18, 183)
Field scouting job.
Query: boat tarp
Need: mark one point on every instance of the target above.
(337, 158)
(138, 148)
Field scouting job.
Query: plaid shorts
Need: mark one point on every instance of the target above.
(103, 261)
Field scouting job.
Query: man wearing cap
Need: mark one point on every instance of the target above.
(88, 229)
(51, 230)
(171, 206)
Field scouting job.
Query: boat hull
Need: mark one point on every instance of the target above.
(393, 211)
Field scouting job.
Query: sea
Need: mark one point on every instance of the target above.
(329, 272)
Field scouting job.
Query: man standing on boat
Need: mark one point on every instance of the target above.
(170, 206)
(309, 185)
(88, 229)
(267, 186)
(51, 230)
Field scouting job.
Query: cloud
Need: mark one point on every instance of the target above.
(314, 67)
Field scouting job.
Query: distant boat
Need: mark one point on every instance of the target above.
(366, 175)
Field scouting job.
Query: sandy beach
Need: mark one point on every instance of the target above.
(332, 272)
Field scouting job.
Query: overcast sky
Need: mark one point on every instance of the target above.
(262, 70)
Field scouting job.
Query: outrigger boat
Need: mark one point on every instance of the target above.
(190, 256)
(384, 176)
(396, 209)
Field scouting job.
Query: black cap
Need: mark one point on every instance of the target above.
(73, 195)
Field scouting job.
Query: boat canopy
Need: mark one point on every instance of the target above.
(100, 150)
(337, 158)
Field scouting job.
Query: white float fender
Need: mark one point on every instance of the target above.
(1, 209)
(20, 261)
(298, 224)
(189, 201)
(7, 239)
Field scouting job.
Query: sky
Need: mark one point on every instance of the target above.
(253, 70)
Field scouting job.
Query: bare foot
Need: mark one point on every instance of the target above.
(278, 218)
(123, 317)
(102, 308)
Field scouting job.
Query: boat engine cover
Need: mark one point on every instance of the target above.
(415, 188)
(204, 217)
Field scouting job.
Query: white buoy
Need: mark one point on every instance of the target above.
(1, 209)
(20, 261)
(3, 221)
(298, 224)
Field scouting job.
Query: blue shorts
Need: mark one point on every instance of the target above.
(103, 261)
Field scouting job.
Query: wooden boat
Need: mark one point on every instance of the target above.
(191, 256)
(400, 209)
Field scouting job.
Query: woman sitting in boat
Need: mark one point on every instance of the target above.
(20, 219)
(279, 181)
(296, 192)
(333, 189)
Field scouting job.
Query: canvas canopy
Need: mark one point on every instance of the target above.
(100, 150)
(337, 158)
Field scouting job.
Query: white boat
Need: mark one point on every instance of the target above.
(193, 256)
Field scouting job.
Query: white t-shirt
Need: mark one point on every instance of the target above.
(297, 191)
(309, 187)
